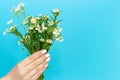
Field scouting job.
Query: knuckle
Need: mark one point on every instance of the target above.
(38, 53)
(20, 70)
(18, 66)
(31, 57)
(34, 56)
(20, 74)
(42, 58)
(34, 64)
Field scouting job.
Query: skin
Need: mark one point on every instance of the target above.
(30, 68)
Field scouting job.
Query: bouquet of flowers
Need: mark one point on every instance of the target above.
(39, 32)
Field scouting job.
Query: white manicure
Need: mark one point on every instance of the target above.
(47, 55)
(46, 65)
(44, 51)
(48, 60)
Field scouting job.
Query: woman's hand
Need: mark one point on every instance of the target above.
(30, 68)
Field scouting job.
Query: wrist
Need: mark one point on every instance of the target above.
(5, 78)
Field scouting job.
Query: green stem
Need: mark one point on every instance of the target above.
(41, 77)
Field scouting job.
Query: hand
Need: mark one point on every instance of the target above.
(30, 68)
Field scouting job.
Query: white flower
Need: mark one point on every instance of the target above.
(56, 10)
(6, 31)
(57, 35)
(27, 37)
(24, 37)
(19, 43)
(38, 28)
(46, 17)
(10, 22)
(12, 9)
(33, 20)
(50, 23)
(40, 15)
(31, 27)
(59, 39)
(56, 31)
(21, 4)
(17, 10)
(43, 27)
(37, 18)
(42, 40)
(12, 28)
(39, 31)
(59, 29)
(49, 41)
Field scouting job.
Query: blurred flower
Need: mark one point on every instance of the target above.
(40, 15)
(42, 40)
(59, 29)
(17, 10)
(21, 4)
(49, 41)
(43, 27)
(55, 10)
(31, 28)
(51, 23)
(6, 31)
(12, 28)
(10, 22)
(27, 37)
(19, 43)
(37, 18)
(33, 20)
(46, 17)
(38, 28)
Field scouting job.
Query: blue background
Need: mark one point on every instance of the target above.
(91, 31)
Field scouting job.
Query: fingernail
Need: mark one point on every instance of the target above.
(46, 65)
(47, 60)
(43, 51)
(47, 55)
